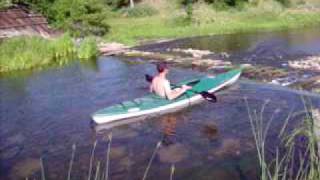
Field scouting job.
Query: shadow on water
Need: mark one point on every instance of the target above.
(44, 113)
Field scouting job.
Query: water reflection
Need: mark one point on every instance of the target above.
(169, 124)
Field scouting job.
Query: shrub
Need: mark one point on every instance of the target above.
(82, 17)
(203, 14)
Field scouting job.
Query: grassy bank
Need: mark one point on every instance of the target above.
(208, 21)
(30, 52)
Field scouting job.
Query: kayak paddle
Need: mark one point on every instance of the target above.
(206, 95)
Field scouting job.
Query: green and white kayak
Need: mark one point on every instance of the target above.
(153, 104)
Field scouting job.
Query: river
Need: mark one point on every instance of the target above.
(44, 113)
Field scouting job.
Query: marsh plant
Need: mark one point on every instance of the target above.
(88, 48)
(296, 155)
(30, 52)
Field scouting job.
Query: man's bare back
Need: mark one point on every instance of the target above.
(161, 86)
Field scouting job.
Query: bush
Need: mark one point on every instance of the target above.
(203, 14)
(139, 11)
(82, 17)
(4, 4)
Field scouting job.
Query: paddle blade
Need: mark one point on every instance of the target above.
(209, 96)
(148, 77)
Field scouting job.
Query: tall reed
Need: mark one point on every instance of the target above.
(30, 52)
(290, 161)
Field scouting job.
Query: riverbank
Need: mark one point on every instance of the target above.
(134, 31)
(22, 53)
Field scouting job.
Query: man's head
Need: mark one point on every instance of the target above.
(162, 67)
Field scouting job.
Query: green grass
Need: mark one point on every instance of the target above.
(131, 31)
(31, 52)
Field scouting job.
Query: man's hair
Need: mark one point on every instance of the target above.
(161, 67)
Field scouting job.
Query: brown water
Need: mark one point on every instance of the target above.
(43, 113)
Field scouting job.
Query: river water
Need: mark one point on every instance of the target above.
(44, 113)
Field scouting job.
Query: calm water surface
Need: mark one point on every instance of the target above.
(44, 113)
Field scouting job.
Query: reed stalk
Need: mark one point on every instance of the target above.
(71, 161)
(151, 160)
(108, 156)
(91, 159)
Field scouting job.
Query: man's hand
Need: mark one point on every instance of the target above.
(185, 87)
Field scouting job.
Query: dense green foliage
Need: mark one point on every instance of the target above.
(79, 17)
(139, 11)
(29, 52)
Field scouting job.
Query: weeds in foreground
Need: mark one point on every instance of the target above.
(296, 156)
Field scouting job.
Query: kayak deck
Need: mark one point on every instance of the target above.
(152, 103)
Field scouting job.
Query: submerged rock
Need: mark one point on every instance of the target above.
(229, 147)
(265, 73)
(210, 131)
(11, 152)
(309, 63)
(310, 84)
(25, 168)
(118, 152)
(173, 153)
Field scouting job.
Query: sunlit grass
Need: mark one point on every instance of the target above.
(132, 30)
(29, 52)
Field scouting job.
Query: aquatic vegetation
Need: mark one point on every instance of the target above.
(88, 48)
(291, 161)
(31, 52)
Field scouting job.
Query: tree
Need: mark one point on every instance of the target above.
(131, 4)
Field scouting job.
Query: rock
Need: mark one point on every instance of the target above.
(309, 63)
(210, 131)
(173, 153)
(194, 52)
(124, 134)
(10, 152)
(265, 73)
(16, 139)
(230, 147)
(117, 152)
(112, 48)
(223, 173)
(210, 63)
(25, 168)
(149, 55)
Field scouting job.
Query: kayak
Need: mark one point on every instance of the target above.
(152, 104)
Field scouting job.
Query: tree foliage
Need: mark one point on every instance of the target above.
(80, 17)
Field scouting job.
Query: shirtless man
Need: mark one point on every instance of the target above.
(161, 86)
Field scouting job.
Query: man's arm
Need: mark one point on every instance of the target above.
(172, 94)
